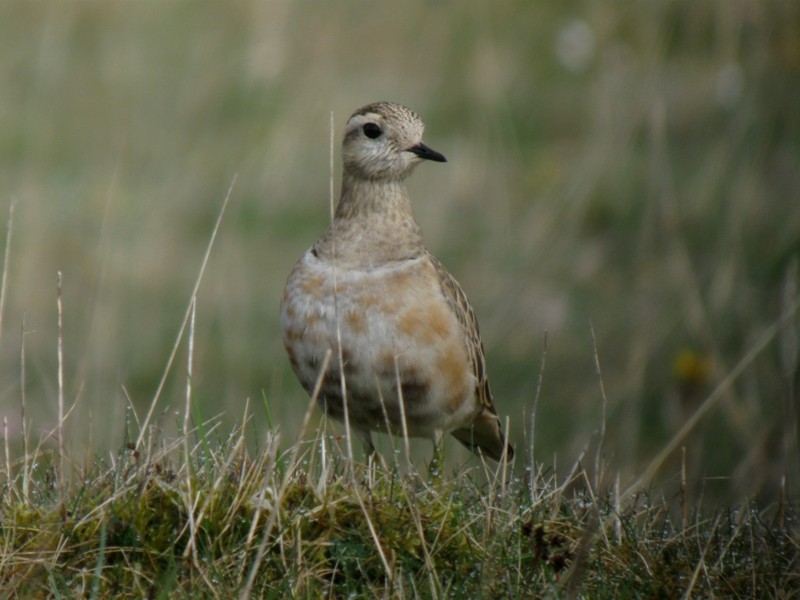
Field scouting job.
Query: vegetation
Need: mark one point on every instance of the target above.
(619, 205)
(308, 523)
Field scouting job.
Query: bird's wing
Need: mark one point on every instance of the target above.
(485, 432)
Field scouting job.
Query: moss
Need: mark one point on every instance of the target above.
(130, 525)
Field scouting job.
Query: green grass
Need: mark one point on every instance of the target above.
(202, 517)
(623, 180)
(632, 166)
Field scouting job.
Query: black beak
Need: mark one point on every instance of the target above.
(423, 151)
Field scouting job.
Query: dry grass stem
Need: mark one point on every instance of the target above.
(534, 408)
(168, 367)
(60, 424)
(6, 255)
(719, 392)
(603, 409)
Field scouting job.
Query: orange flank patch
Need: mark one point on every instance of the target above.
(397, 284)
(370, 300)
(412, 323)
(356, 321)
(452, 366)
(385, 365)
(439, 320)
(428, 326)
(313, 286)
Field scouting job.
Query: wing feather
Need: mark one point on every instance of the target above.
(485, 432)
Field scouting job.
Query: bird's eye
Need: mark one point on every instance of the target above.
(372, 131)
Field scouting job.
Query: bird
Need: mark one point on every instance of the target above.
(400, 340)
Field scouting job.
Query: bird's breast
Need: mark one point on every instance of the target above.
(391, 334)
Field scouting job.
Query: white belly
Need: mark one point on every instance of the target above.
(388, 325)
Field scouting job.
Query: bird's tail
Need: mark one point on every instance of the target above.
(486, 435)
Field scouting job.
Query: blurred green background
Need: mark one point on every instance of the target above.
(633, 165)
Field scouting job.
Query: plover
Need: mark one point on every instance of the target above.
(403, 339)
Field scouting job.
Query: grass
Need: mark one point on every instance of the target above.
(299, 522)
(196, 514)
(629, 167)
(620, 191)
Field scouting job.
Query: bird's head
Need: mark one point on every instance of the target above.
(384, 141)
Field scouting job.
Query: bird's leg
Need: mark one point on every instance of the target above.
(374, 459)
(370, 454)
(369, 447)
(436, 466)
